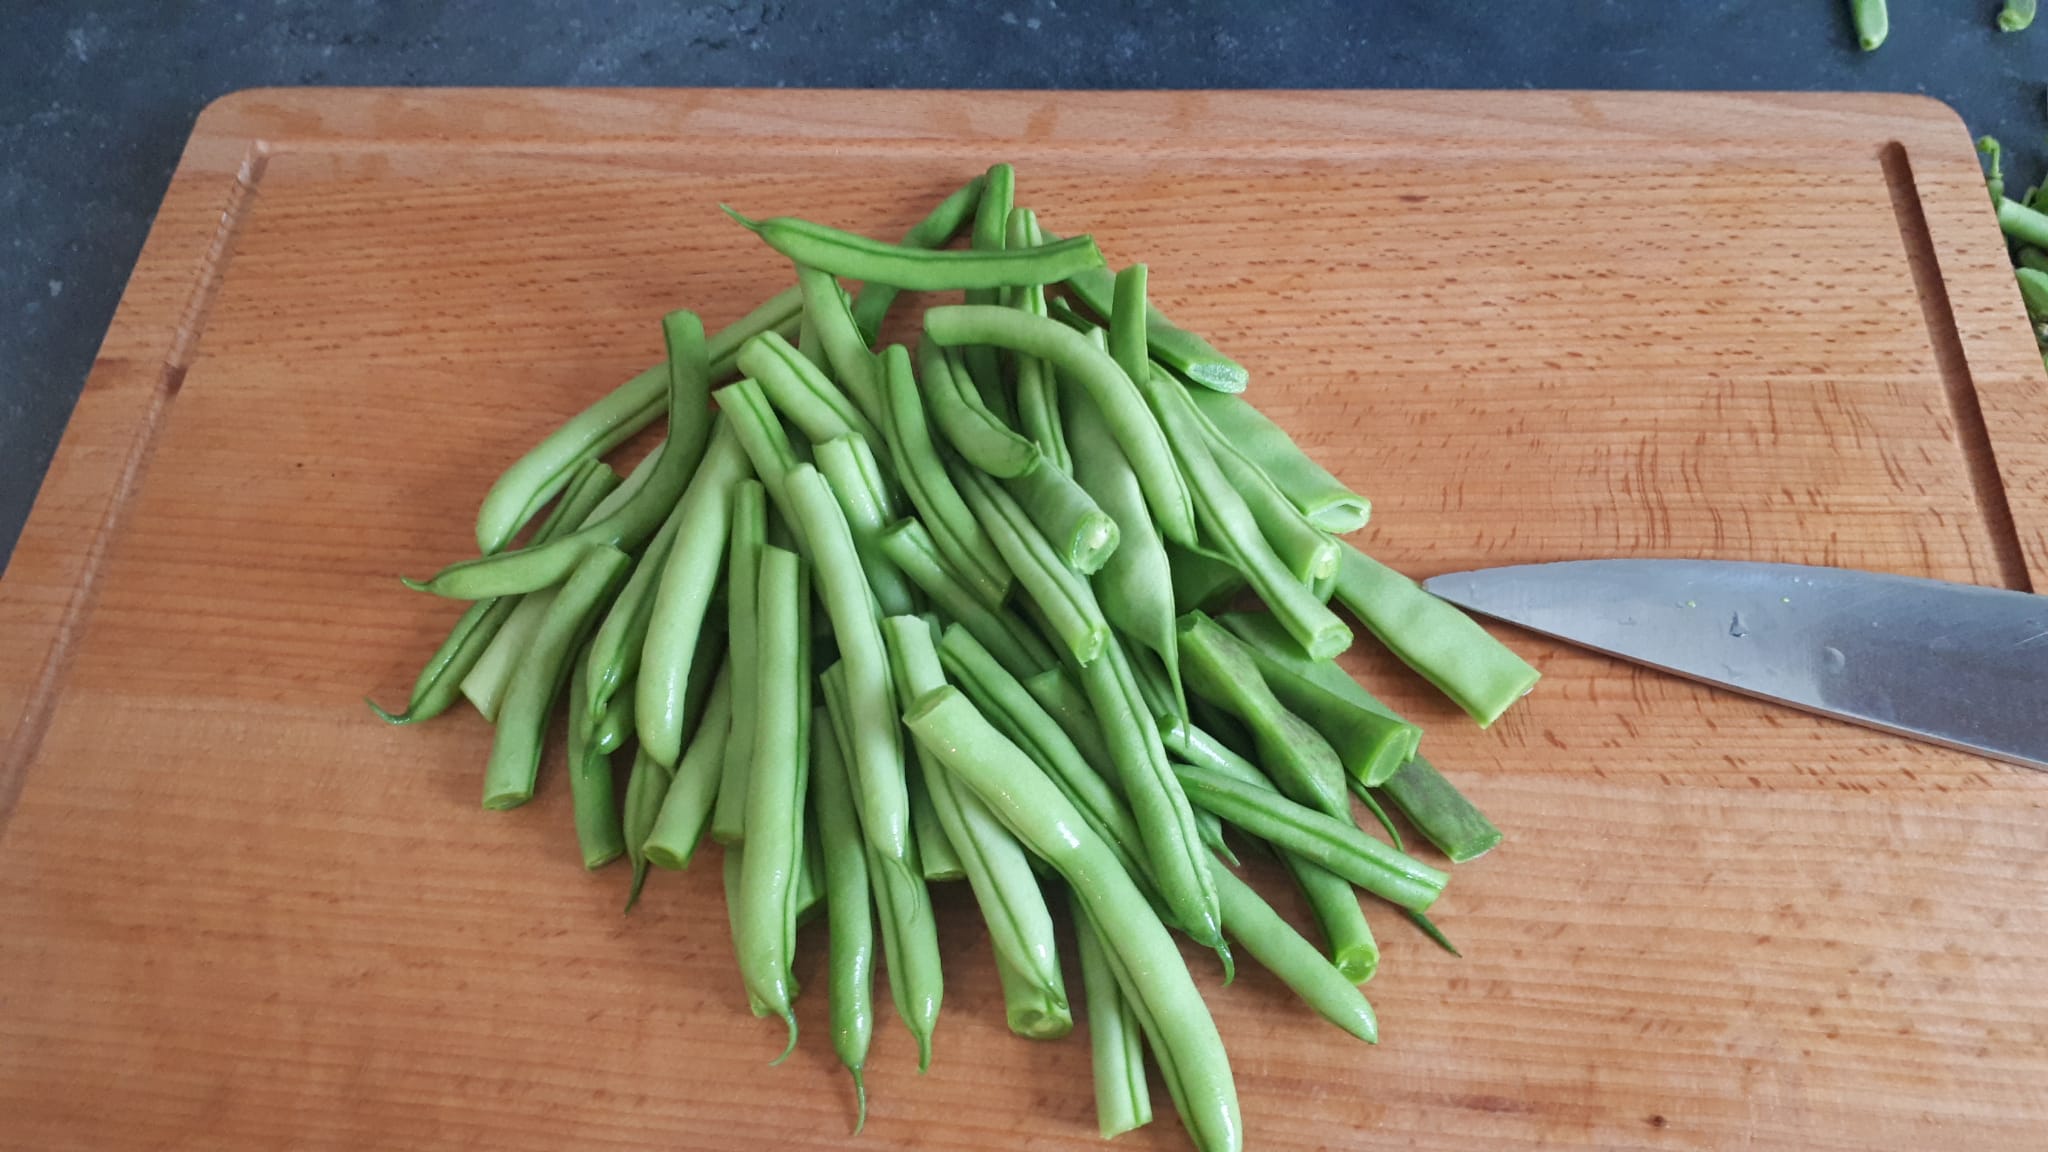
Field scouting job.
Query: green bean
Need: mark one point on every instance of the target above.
(1166, 823)
(916, 269)
(1082, 535)
(801, 392)
(1440, 812)
(910, 939)
(1038, 403)
(683, 595)
(1122, 1100)
(759, 431)
(1078, 360)
(610, 422)
(849, 910)
(523, 715)
(1202, 580)
(1335, 844)
(1060, 592)
(1019, 924)
(749, 534)
(953, 528)
(810, 879)
(1371, 743)
(937, 861)
(2031, 257)
(2016, 16)
(1370, 798)
(1136, 581)
(1038, 814)
(616, 650)
(911, 549)
(1209, 827)
(1177, 348)
(1064, 701)
(2033, 292)
(807, 345)
(967, 424)
(1274, 943)
(1482, 675)
(871, 306)
(775, 786)
(440, 682)
(1321, 497)
(1872, 23)
(600, 835)
(2023, 223)
(686, 808)
(851, 468)
(841, 339)
(1227, 522)
(1307, 551)
(1220, 670)
(637, 517)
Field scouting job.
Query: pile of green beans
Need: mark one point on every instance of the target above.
(875, 618)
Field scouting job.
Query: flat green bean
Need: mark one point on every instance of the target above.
(749, 534)
(1321, 497)
(1220, 670)
(911, 549)
(1273, 942)
(775, 788)
(1060, 592)
(871, 305)
(917, 269)
(1370, 742)
(683, 595)
(1038, 814)
(1432, 636)
(960, 538)
(966, 423)
(1116, 1044)
(686, 808)
(850, 467)
(849, 908)
(1440, 812)
(1079, 361)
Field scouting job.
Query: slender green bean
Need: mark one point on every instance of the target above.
(841, 339)
(749, 534)
(1079, 361)
(775, 787)
(523, 715)
(1370, 798)
(1228, 522)
(1440, 812)
(937, 861)
(1321, 497)
(616, 650)
(1202, 580)
(960, 538)
(966, 423)
(759, 430)
(1450, 650)
(1028, 803)
(849, 908)
(803, 393)
(1038, 403)
(1307, 551)
(991, 234)
(1060, 592)
(1274, 943)
(683, 595)
(851, 468)
(916, 269)
(1370, 742)
(600, 834)
(686, 809)
(871, 306)
(535, 477)
(1063, 700)
(1335, 844)
(1122, 1100)
(1220, 670)
(1082, 535)
(910, 548)
(1872, 23)
(2023, 223)
(1176, 347)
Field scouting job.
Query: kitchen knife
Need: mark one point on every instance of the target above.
(1952, 664)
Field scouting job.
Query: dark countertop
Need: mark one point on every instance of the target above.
(96, 99)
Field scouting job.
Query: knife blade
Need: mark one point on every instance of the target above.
(1953, 664)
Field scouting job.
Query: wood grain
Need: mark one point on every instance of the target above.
(237, 913)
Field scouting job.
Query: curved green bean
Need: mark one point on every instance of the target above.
(685, 811)
(911, 549)
(522, 717)
(1273, 942)
(683, 595)
(849, 910)
(801, 392)
(919, 269)
(621, 640)
(1038, 405)
(853, 473)
(1116, 1044)
(1078, 360)
(1174, 346)
(1060, 592)
(953, 528)
(759, 430)
(841, 339)
(1028, 803)
(1370, 742)
(871, 304)
(1335, 844)
(1481, 674)
(1220, 670)
(967, 424)
(775, 789)
(749, 534)
(1321, 497)
(1307, 551)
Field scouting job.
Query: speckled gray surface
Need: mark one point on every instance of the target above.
(96, 98)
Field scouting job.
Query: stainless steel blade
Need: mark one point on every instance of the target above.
(1953, 664)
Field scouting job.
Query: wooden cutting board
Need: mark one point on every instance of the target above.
(237, 912)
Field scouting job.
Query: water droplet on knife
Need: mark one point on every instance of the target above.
(1831, 658)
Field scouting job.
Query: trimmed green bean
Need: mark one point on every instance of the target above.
(959, 537)
(683, 595)
(1440, 812)
(1307, 551)
(917, 269)
(2016, 16)
(910, 548)
(1123, 1102)
(1321, 497)
(850, 467)
(1078, 360)
(967, 424)
(1481, 674)
(749, 534)
(1228, 522)
(1335, 844)
(1176, 347)
(535, 477)
(991, 234)
(600, 834)
(937, 861)
(775, 788)
(1082, 535)
(849, 909)
(841, 339)
(2023, 223)
(1060, 592)
(1220, 670)
(936, 230)
(686, 808)
(759, 430)
(1063, 700)
(1038, 814)
(1873, 23)
(1273, 942)
(1038, 403)
(621, 641)
(1370, 742)
(522, 717)
(801, 392)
